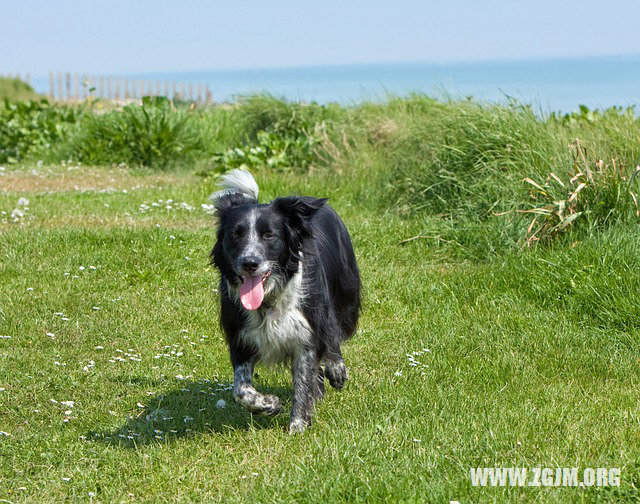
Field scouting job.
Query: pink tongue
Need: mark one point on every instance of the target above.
(251, 292)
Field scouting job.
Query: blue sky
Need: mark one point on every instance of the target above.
(146, 36)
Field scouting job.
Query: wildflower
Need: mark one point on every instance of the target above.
(23, 202)
(221, 404)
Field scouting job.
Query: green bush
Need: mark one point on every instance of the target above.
(154, 134)
(277, 134)
(14, 89)
(30, 127)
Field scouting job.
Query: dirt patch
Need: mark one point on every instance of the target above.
(84, 180)
(98, 222)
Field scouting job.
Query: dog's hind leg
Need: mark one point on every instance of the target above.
(306, 372)
(246, 395)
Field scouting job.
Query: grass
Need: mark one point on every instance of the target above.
(485, 340)
(15, 89)
(528, 359)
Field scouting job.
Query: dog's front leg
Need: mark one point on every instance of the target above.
(305, 369)
(245, 394)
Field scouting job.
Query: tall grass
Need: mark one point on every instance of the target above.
(14, 89)
(462, 165)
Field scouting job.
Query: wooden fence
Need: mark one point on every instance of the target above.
(76, 87)
(67, 86)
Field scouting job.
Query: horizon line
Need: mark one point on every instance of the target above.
(488, 61)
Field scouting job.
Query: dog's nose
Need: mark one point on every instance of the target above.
(250, 264)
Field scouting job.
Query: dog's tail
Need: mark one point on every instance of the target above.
(237, 181)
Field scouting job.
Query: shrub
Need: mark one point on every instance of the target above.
(277, 134)
(154, 134)
(14, 89)
(27, 127)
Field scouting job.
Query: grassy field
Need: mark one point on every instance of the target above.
(474, 349)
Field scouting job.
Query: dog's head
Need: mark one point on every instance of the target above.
(258, 247)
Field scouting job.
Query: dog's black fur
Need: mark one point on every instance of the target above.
(312, 293)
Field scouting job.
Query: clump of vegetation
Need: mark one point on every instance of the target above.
(29, 127)
(279, 135)
(153, 134)
(594, 194)
(14, 89)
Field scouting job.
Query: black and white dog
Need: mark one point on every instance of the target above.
(290, 292)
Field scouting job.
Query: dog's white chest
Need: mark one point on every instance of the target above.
(278, 334)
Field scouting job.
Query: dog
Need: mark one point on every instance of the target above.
(289, 291)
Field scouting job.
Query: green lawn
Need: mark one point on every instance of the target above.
(525, 359)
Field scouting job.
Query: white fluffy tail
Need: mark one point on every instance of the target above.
(237, 181)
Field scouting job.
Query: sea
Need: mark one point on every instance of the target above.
(549, 85)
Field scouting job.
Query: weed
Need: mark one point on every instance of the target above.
(593, 194)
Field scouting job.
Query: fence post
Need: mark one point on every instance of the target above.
(52, 90)
(209, 96)
(68, 85)
(85, 86)
(59, 94)
(76, 86)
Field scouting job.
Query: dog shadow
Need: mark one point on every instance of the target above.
(196, 407)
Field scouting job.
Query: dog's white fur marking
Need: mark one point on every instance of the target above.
(253, 240)
(282, 331)
(237, 181)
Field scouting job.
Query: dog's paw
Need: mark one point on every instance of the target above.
(271, 405)
(336, 372)
(297, 426)
(258, 404)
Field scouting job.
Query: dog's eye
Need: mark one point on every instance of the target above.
(236, 234)
(268, 236)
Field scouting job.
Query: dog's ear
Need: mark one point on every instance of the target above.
(227, 201)
(295, 208)
(297, 213)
